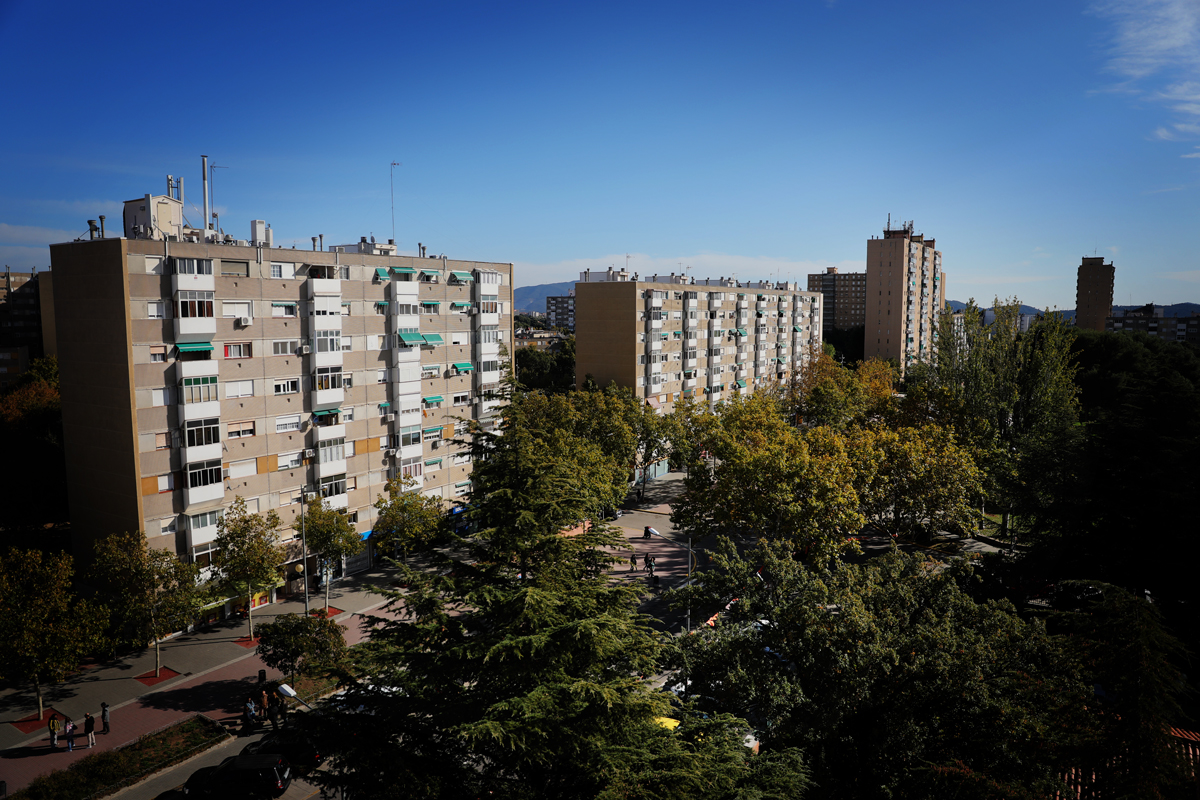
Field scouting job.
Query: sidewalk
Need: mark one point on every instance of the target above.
(211, 673)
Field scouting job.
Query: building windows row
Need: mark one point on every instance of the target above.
(203, 431)
(204, 473)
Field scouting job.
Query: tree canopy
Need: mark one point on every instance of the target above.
(249, 553)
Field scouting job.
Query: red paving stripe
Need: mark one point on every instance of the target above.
(333, 612)
(247, 642)
(165, 674)
(32, 724)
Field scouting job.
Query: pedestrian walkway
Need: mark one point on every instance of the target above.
(214, 675)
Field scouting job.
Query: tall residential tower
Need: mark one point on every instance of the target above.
(906, 290)
(1094, 293)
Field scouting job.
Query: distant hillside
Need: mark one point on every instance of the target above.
(533, 298)
(1174, 310)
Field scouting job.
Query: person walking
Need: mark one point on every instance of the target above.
(283, 708)
(89, 727)
(273, 715)
(262, 704)
(646, 532)
(104, 716)
(69, 729)
(633, 562)
(650, 565)
(54, 725)
(248, 716)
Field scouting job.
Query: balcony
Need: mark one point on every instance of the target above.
(338, 500)
(743, 304)
(689, 383)
(327, 469)
(689, 363)
(654, 302)
(328, 359)
(196, 369)
(406, 355)
(713, 304)
(654, 345)
(328, 432)
(195, 329)
(404, 321)
(204, 452)
(324, 287)
(328, 322)
(487, 378)
(403, 290)
(193, 496)
(192, 283)
(323, 399)
(655, 369)
(487, 319)
(654, 324)
(690, 303)
(193, 411)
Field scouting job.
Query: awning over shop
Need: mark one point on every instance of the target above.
(194, 347)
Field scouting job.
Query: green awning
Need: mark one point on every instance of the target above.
(403, 271)
(194, 347)
(460, 304)
(433, 338)
(431, 302)
(666, 336)
(742, 332)
(381, 302)
(381, 273)
(384, 405)
(282, 305)
(463, 367)
(434, 272)
(462, 276)
(327, 412)
(796, 328)
(461, 484)
(741, 383)
(433, 461)
(437, 398)
(411, 338)
(431, 431)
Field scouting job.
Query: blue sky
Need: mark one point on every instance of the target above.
(757, 139)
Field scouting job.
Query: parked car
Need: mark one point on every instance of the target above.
(301, 754)
(262, 775)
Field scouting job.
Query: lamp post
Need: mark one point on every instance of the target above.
(691, 557)
(304, 545)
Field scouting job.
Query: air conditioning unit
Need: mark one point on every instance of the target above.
(310, 496)
(389, 417)
(390, 453)
(309, 453)
(244, 322)
(435, 444)
(305, 349)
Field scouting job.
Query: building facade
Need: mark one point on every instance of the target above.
(195, 370)
(1150, 319)
(1094, 293)
(669, 337)
(20, 323)
(844, 298)
(560, 311)
(905, 292)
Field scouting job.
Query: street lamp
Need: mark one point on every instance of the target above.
(691, 557)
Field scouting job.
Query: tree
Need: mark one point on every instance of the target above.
(889, 675)
(551, 370)
(149, 592)
(330, 535)
(248, 553)
(31, 424)
(296, 644)
(46, 629)
(407, 519)
(914, 481)
(772, 480)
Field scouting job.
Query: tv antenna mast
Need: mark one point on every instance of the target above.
(392, 180)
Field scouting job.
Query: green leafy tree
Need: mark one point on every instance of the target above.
(890, 675)
(248, 554)
(330, 535)
(769, 479)
(550, 370)
(46, 628)
(149, 592)
(406, 519)
(296, 644)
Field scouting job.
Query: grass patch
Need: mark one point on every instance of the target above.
(102, 774)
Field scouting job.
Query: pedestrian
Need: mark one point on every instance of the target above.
(262, 705)
(646, 532)
(104, 715)
(633, 562)
(54, 725)
(69, 729)
(248, 716)
(650, 565)
(273, 715)
(283, 709)
(89, 727)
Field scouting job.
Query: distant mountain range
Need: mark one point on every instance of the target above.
(1175, 310)
(533, 298)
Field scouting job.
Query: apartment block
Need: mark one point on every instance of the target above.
(1151, 319)
(560, 311)
(906, 290)
(21, 314)
(196, 368)
(669, 337)
(1094, 293)
(845, 298)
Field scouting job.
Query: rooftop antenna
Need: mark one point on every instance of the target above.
(627, 262)
(392, 178)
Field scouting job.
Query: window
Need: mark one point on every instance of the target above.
(244, 468)
(488, 304)
(162, 441)
(490, 334)
(235, 308)
(203, 431)
(289, 460)
(239, 430)
(167, 525)
(433, 465)
(462, 458)
(412, 467)
(430, 370)
(166, 482)
(333, 485)
(461, 428)
(407, 309)
(288, 423)
(328, 341)
(285, 347)
(347, 380)
(346, 344)
(430, 308)
(208, 519)
(462, 399)
(458, 337)
(193, 266)
(327, 378)
(344, 273)
(290, 497)
(462, 488)
(331, 450)
(154, 265)
(283, 309)
(204, 473)
(235, 269)
(158, 353)
(489, 366)
(155, 309)
(239, 389)
(237, 350)
(410, 435)
(287, 386)
(348, 414)
(381, 376)
(284, 271)
(433, 402)
(345, 306)
(200, 390)
(194, 304)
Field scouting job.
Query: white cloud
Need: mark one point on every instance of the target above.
(1158, 39)
(704, 265)
(28, 234)
(25, 258)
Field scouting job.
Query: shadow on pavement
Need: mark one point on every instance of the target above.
(31, 751)
(228, 695)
